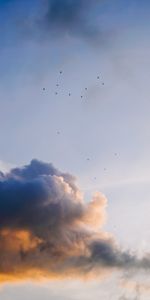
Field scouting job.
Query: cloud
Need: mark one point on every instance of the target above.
(47, 229)
(72, 18)
(58, 19)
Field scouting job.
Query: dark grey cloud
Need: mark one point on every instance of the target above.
(73, 18)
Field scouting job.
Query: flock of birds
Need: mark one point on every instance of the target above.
(69, 94)
(81, 96)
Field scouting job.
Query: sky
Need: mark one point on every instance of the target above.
(74, 149)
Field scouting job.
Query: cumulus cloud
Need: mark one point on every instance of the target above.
(47, 229)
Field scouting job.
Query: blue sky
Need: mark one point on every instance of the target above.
(104, 137)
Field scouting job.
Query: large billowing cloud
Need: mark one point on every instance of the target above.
(48, 230)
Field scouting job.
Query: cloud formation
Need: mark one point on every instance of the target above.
(58, 19)
(73, 18)
(47, 229)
